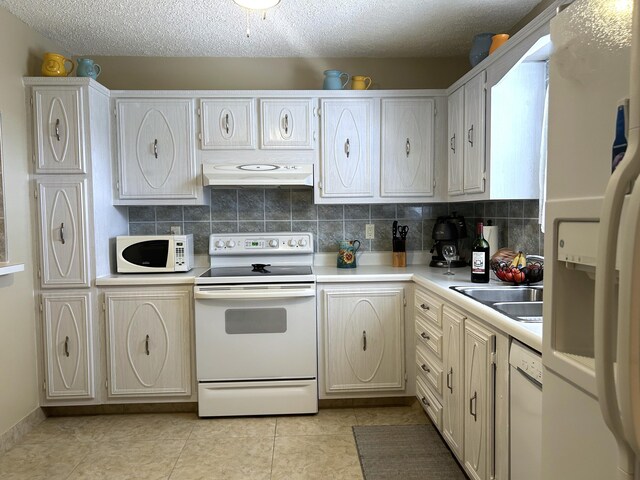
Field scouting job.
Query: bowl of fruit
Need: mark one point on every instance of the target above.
(516, 267)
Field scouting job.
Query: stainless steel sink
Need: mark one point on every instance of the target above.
(502, 294)
(521, 311)
(521, 303)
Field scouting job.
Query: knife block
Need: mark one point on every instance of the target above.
(399, 254)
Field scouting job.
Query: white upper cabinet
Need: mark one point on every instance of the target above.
(474, 131)
(68, 345)
(407, 147)
(156, 149)
(228, 123)
(62, 213)
(59, 129)
(346, 158)
(455, 155)
(286, 123)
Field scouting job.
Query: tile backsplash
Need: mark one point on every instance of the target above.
(274, 209)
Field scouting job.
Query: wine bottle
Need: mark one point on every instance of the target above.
(480, 257)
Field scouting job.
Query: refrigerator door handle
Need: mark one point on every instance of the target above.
(606, 300)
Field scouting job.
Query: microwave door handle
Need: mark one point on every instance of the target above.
(251, 294)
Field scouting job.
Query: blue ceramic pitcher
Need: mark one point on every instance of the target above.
(347, 250)
(480, 48)
(333, 80)
(86, 68)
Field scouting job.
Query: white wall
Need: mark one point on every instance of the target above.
(20, 53)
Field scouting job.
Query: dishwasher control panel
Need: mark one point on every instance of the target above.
(526, 360)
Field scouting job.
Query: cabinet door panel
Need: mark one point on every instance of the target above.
(156, 149)
(228, 124)
(407, 147)
(59, 130)
(68, 346)
(63, 233)
(364, 345)
(452, 359)
(286, 123)
(474, 154)
(149, 341)
(479, 391)
(346, 148)
(456, 142)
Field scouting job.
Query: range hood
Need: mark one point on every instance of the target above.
(254, 174)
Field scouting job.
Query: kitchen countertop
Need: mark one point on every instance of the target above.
(172, 278)
(423, 275)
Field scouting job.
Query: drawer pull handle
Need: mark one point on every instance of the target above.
(155, 148)
(452, 143)
(425, 307)
(473, 405)
(58, 129)
(470, 135)
(408, 148)
(347, 148)
(146, 345)
(425, 368)
(66, 346)
(226, 123)
(425, 336)
(364, 340)
(62, 233)
(449, 383)
(286, 123)
(424, 400)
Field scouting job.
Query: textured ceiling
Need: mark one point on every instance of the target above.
(294, 28)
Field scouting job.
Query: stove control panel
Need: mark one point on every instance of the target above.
(272, 243)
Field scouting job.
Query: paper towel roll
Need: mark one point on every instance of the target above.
(491, 235)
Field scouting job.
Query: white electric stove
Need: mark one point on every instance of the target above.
(256, 334)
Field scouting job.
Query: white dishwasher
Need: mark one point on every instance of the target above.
(525, 395)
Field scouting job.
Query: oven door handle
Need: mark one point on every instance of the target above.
(252, 294)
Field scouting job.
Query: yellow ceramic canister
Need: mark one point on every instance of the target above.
(497, 41)
(360, 82)
(53, 65)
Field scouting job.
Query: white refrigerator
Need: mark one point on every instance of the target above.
(591, 339)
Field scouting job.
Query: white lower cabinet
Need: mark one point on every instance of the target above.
(479, 380)
(363, 329)
(453, 363)
(463, 384)
(148, 342)
(68, 346)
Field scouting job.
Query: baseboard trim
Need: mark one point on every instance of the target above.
(12, 436)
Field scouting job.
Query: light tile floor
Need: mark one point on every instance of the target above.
(182, 446)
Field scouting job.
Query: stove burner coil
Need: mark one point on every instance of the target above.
(259, 267)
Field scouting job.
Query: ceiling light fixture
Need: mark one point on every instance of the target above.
(257, 4)
(263, 5)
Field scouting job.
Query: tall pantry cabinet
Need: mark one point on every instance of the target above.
(75, 220)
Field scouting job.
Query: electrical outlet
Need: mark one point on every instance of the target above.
(370, 231)
(175, 230)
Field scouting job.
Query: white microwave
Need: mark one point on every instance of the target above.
(154, 253)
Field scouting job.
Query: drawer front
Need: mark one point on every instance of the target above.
(429, 369)
(428, 307)
(430, 337)
(429, 403)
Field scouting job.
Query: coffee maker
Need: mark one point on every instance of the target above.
(447, 231)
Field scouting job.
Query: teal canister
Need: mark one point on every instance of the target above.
(333, 80)
(87, 68)
(347, 250)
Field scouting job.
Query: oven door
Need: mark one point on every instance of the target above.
(255, 332)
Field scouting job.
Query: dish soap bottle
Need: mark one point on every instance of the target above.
(480, 257)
